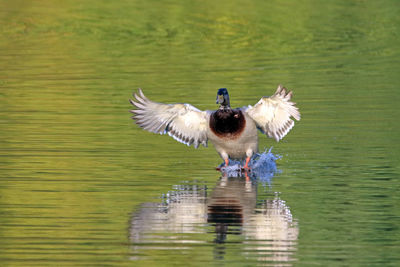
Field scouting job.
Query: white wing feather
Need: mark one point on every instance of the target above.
(272, 115)
(183, 122)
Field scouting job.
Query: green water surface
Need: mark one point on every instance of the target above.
(76, 173)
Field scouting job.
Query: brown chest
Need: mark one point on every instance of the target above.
(227, 123)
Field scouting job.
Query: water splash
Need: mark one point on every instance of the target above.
(262, 165)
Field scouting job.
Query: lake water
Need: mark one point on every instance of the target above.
(80, 184)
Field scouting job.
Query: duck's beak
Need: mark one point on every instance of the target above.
(220, 99)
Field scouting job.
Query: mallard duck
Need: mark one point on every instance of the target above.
(233, 132)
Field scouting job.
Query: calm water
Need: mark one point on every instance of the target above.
(80, 184)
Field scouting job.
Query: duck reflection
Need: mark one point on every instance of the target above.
(232, 214)
(231, 202)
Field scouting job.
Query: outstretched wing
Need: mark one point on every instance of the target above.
(272, 115)
(183, 122)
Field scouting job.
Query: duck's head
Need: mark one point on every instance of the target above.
(223, 98)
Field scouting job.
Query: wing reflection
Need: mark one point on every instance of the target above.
(181, 211)
(232, 214)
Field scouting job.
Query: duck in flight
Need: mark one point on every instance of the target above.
(233, 132)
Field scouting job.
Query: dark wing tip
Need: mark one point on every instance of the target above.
(289, 95)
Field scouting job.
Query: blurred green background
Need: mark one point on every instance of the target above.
(74, 167)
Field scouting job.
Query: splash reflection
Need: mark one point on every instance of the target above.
(233, 215)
